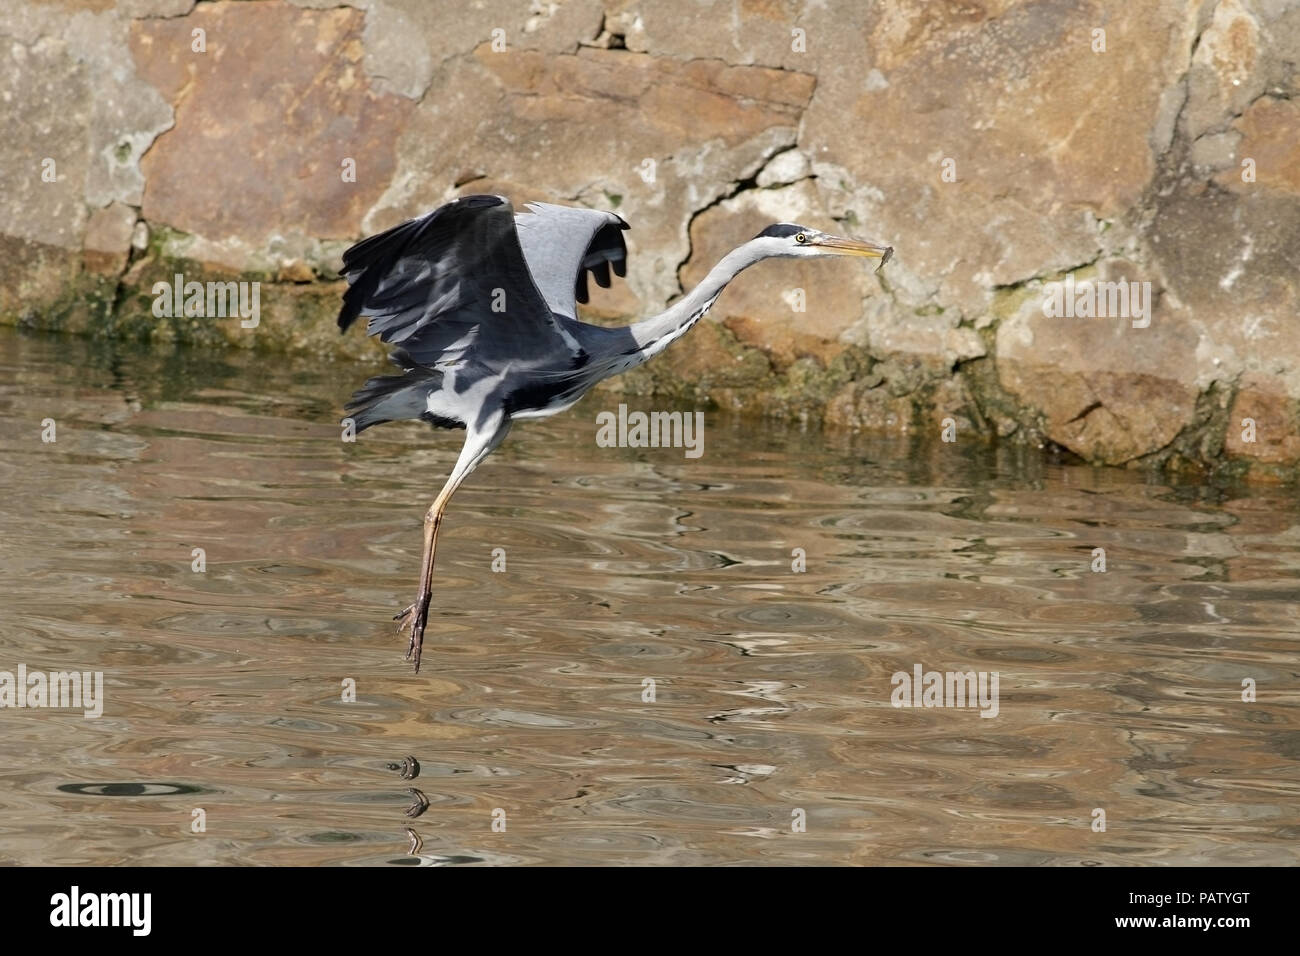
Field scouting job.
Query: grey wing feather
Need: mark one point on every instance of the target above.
(561, 243)
(452, 284)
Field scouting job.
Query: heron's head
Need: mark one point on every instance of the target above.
(791, 240)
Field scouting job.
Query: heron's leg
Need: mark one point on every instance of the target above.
(479, 443)
(416, 616)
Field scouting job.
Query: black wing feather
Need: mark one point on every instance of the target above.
(451, 284)
(607, 249)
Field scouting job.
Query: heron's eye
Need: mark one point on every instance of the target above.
(801, 238)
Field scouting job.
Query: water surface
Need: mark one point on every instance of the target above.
(1119, 691)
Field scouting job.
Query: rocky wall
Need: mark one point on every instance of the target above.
(1095, 205)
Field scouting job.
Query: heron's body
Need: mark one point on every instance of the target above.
(480, 307)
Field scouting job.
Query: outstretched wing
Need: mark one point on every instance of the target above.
(561, 243)
(451, 284)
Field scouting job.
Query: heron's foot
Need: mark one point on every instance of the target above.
(415, 617)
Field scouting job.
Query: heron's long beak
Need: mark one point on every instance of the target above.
(837, 245)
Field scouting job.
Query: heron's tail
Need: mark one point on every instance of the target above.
(390, 398)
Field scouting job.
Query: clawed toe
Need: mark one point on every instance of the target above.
(415, 616)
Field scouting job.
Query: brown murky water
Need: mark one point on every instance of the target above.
(224, 689)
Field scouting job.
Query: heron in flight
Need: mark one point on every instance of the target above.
(479, 305)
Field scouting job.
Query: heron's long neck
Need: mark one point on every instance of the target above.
(656, 333)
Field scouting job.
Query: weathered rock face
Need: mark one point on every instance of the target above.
(1264, 424)
(271, 121)
(1006, 148)
(1111, 389)
(108, 239)
(46, 94)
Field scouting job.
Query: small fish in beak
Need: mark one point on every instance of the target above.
(839, 245)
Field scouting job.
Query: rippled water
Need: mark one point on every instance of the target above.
(224, 689)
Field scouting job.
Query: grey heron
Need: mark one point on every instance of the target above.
(479, 305)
